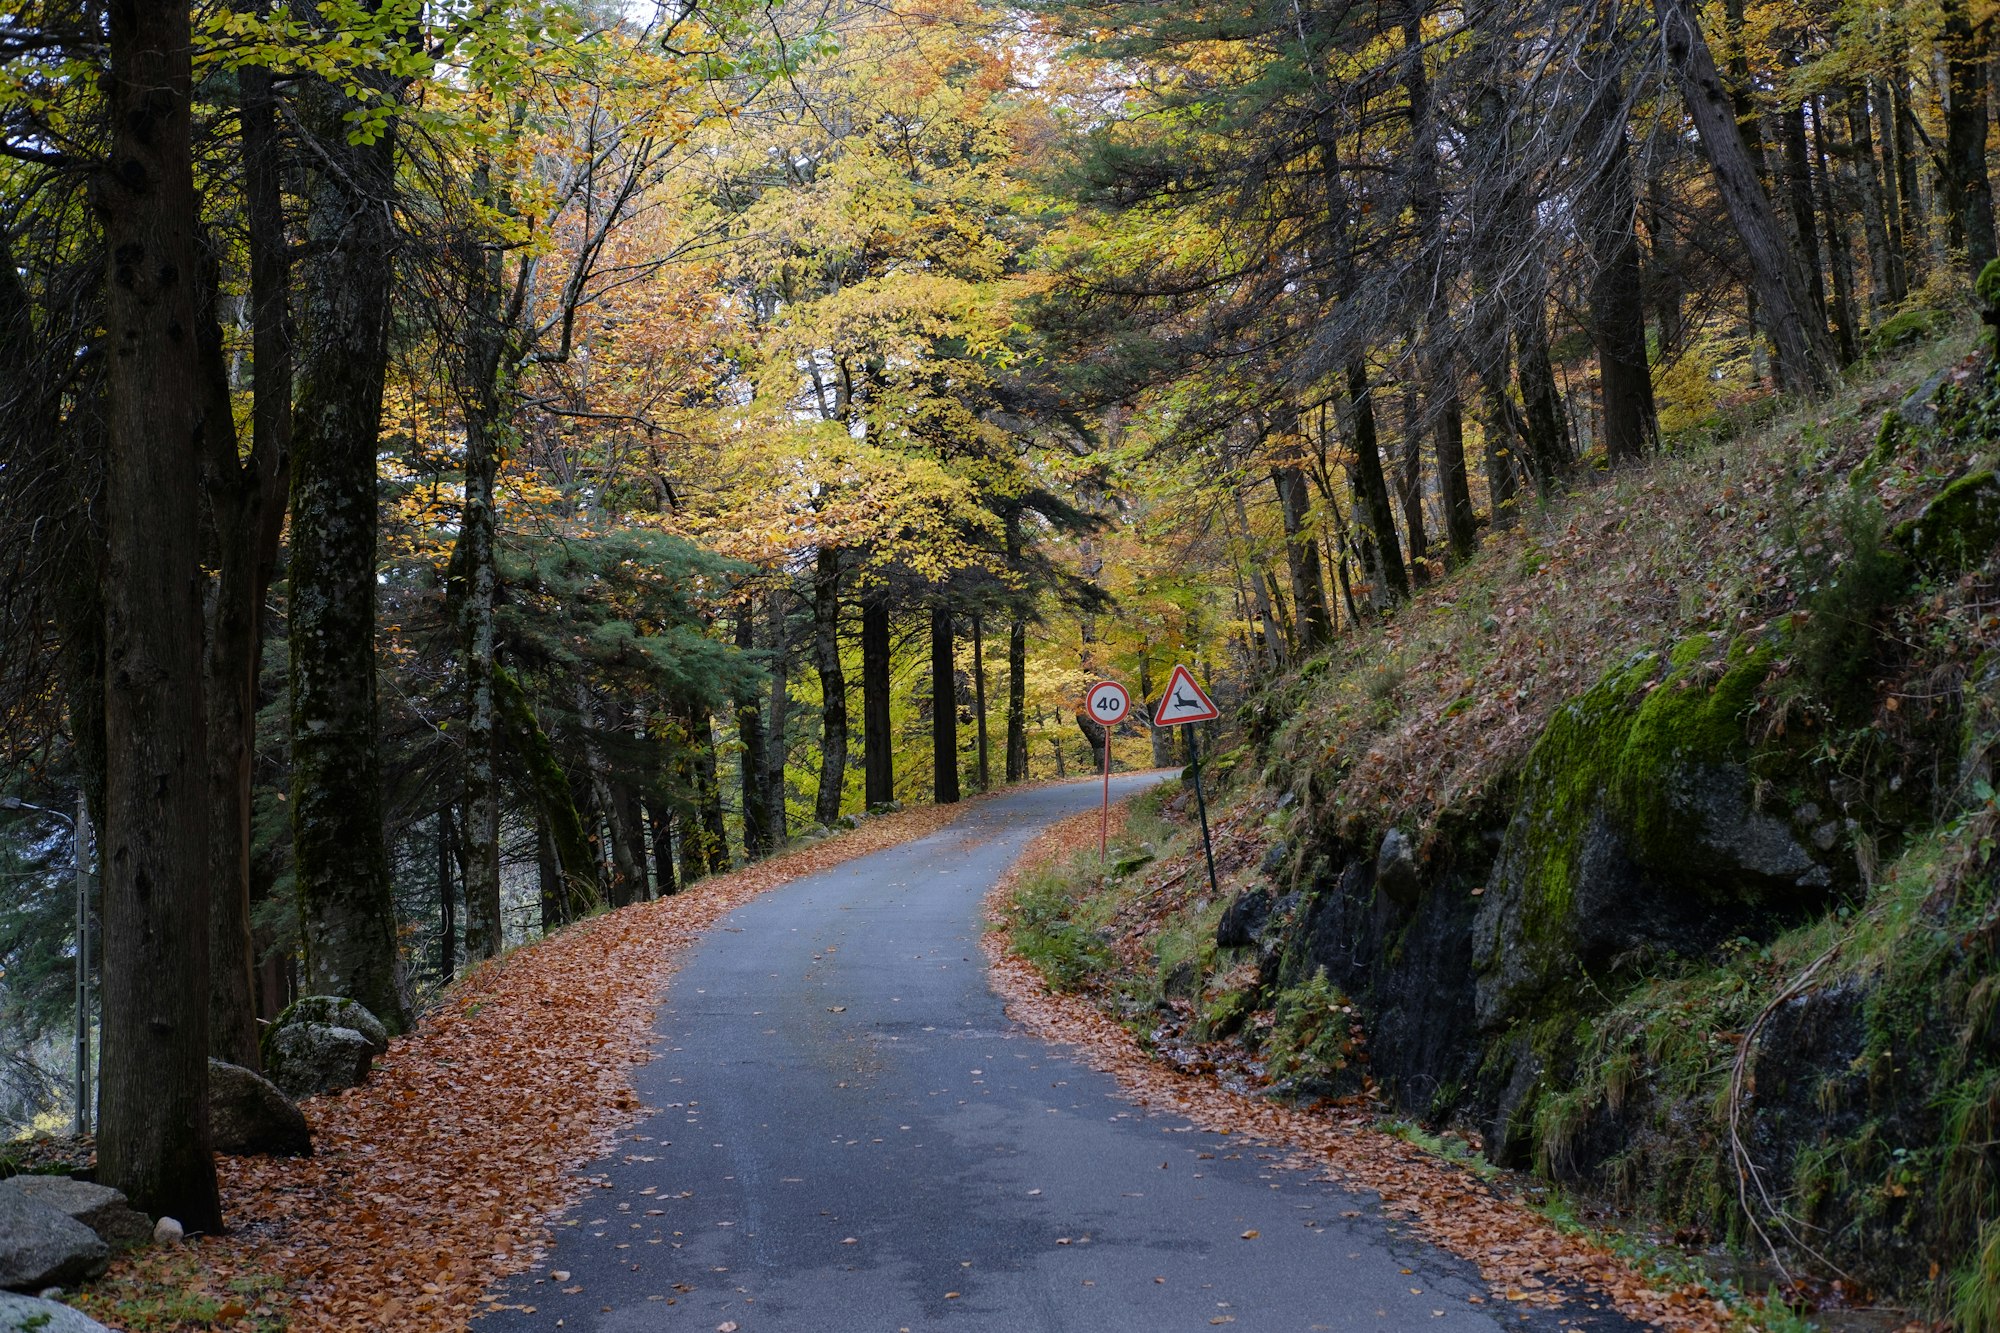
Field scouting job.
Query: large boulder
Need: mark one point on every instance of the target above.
(1647, 827)
(99, 1207)
(336, 1011)
(42, 1246)
(249, 1117)
(26, 1314)
(309, 1059)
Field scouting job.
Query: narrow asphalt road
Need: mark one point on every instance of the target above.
(848, 1134)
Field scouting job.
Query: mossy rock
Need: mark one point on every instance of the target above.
(333, 1011)
(1638, 832)
(1958, 530)
(1903, 330)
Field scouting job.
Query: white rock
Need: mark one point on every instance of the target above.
(168, 1232)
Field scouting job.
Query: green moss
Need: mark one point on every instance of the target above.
(1959, 529)
(1617, 753)
(1903, 330)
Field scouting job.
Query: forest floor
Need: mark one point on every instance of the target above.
(438, 1176)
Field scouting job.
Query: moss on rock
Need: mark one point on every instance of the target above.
(1958, 530)
(1638, 831)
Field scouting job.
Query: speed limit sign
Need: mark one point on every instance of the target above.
(1107, 702)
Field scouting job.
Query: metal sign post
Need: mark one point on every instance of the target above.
(1183, 705)
(1106, 703)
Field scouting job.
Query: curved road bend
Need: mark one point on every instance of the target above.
(849, 1136)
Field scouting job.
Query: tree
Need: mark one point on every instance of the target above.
(154, 1140)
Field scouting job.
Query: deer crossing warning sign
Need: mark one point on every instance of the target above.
(1184, 701)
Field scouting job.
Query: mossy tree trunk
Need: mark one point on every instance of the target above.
(346, 906)
(483, 399)
(153, 1140)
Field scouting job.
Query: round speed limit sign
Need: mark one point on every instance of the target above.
(1107, 702)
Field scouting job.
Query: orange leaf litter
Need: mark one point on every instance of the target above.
(1524, 1258)
(440, 1174)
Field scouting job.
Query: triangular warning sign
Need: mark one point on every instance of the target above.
(1183, 702)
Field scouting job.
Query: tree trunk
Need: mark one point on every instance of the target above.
(944, 707)
(447, 914)
(1806, 357)
(1882, 292)
(1666, 287)
(483, 401)
(1617, 308)
(832, 686)
(1274, 638)
(1799, 185)
(715, 829)
(153, 1140)
(626, 883)
(247, 511)
(878, 742)
(1371, 492)
(979, 696)
(1017, 701)
(1315, 626)
(548, 878)
(659, 824)
(347, 908)
(1967, 188)
(1162, 738)
(632, 816)
(1410, 486)
(755, 763)
(781, 706)
(1839, 253)
(1549, 456)
(1501, 431)
(1910, 206)
(1446, 415)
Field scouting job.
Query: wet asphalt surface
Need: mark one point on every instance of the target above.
(847, 1134)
